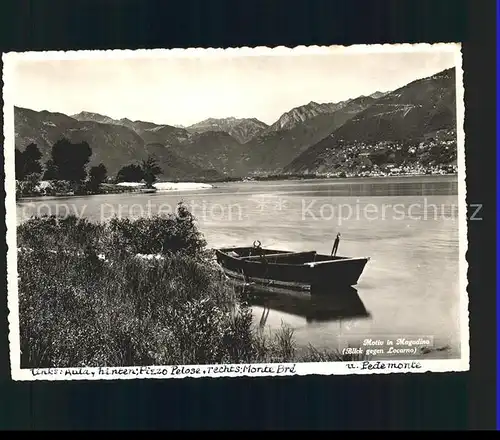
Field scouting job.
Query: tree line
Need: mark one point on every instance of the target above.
(69, 162)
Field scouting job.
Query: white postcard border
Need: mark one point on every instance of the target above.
(253, 370)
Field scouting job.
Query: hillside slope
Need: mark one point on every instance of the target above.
(272, 150)
(149, 131)
(406, 116)
(113, 145)
(215, 149)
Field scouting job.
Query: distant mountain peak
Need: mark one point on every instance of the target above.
(299, 114)
(89, 115)
(94, 117)
(242, 129)
(446, 73)
(378, 94)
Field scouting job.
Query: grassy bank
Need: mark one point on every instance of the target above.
(87, 299)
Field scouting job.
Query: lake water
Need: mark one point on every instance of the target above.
(408, 226)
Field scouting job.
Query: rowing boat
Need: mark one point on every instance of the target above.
(307, 271)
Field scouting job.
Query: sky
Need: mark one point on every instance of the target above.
(185, 90)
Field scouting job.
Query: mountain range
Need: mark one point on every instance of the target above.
(241, 129)
(312, 138)
(408, 115)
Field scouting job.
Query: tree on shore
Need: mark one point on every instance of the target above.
(19, 162)
(147, 170)
(150, 170)
(97, 175)
(130, 173)
(28, 161)
(50, 171)
(69, 160)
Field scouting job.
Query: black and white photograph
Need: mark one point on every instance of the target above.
(233, 212)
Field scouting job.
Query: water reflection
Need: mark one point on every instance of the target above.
(325, 306)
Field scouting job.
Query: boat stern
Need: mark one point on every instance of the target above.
(341, 272)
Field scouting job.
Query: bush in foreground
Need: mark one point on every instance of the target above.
(78, 308)
(165, 235)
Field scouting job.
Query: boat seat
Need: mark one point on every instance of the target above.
(280, 255)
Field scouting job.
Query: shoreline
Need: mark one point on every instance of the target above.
(134, 188)
(126, 188)
(310, 177)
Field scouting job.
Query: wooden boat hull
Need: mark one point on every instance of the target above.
(290, 270)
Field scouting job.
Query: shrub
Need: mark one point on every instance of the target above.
(80, 312)
(29, 186)
(57, 187)
(79, 309)
(157, 234)
(60, 233)
(146, 235)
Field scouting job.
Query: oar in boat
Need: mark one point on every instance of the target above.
(335, 245)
